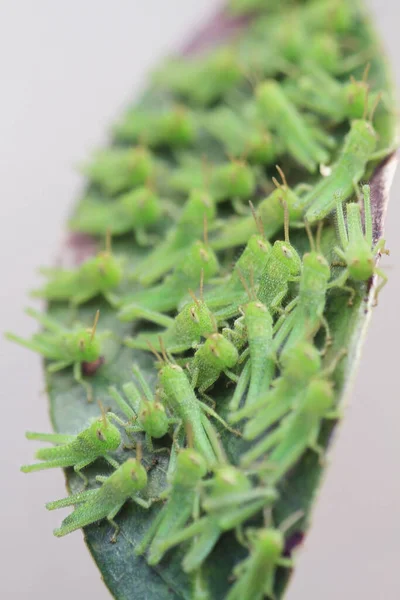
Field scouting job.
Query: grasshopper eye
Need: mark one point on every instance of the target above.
(194, 315)
(286, 252)
(81, 344)
(100, 435)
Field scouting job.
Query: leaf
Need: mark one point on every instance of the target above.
(126, 575)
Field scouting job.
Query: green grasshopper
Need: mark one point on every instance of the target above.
(77, 451)
(199, 263)
(174, 127)
(198, 210)
(96, 276)
(281, 116)
(137, 211)
(105, 502)
(307, 309)
(231, 500)
(359, 148)
(258, 323)
(298, 366)
(182, 497)
(241, 135)
(216, 356)
(256, 573)
(145, 411)
(357, 249)
(116, 170)
(194, 322)
(321, 93)
(178, 395)
(282, 266)
(238, 230)
(226, 299)
(297, 431)
(202, 80)
(234, 181)
(64, 347)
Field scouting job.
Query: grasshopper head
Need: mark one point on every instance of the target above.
(133, 473)
(143, 205)
(356, 93)
(315, 265)
(270, 543)
(177, 126)
(200, 259)
(190, 468)
(105, 437)
(85, 346)
(287, 257)
(107, 271)
(360, 263)
(319, 398)
(301, 362)
(195, 319)
(153, 418)
(222, 351)
(228, 480)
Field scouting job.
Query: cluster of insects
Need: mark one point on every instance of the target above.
(236, 261)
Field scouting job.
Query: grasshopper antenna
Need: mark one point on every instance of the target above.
(319, 235)
(366, 72)
(189, 435)
(202, 285)
(94, 327)
(244, 283)
(282, 174)
(154, 351)
(291, 520)
(205, 230)
(193, 296)
(257, 219)
(163, 351)
(108, 241)
(103, 413)
(285, 220)
(375, 106)
(309, 235)
(139, 452)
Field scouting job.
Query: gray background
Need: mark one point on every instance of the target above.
(67, 68)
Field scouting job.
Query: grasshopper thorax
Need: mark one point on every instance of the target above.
(154, 419)
(190, 468)
(103, 435)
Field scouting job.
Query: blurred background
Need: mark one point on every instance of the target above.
(67, 69)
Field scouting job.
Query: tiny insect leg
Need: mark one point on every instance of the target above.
(150, 533)
(78, 377)
(110, 519)
(71, 500)
(384, 279)
(208, 410)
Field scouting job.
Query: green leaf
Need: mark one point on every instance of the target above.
(126, 575)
